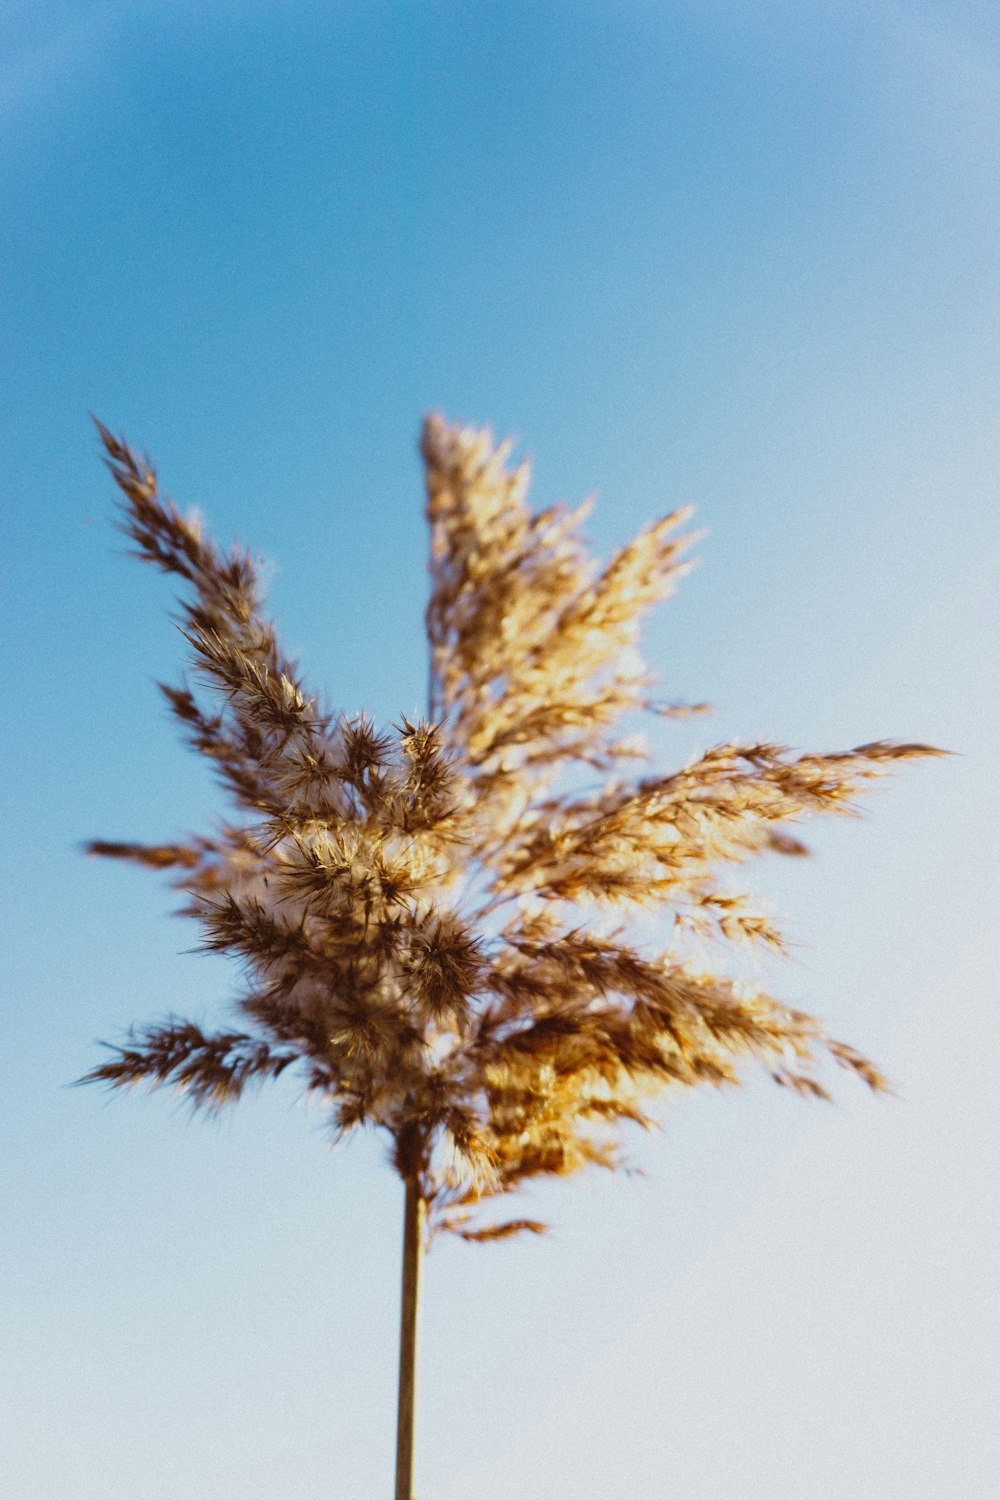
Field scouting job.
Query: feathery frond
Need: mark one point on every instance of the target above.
(421, 911)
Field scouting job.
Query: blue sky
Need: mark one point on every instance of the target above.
(743, 256)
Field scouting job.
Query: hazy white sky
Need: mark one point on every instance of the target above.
(741, 256)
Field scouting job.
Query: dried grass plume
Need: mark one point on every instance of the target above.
(421, 911)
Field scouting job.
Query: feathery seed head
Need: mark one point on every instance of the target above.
(417, 909)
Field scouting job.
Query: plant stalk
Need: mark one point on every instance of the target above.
(414, 1215)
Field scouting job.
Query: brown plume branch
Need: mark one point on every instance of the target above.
(209, 1070)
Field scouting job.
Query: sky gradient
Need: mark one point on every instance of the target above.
(744, 257)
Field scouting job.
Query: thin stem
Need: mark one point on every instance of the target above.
(414, 1216)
